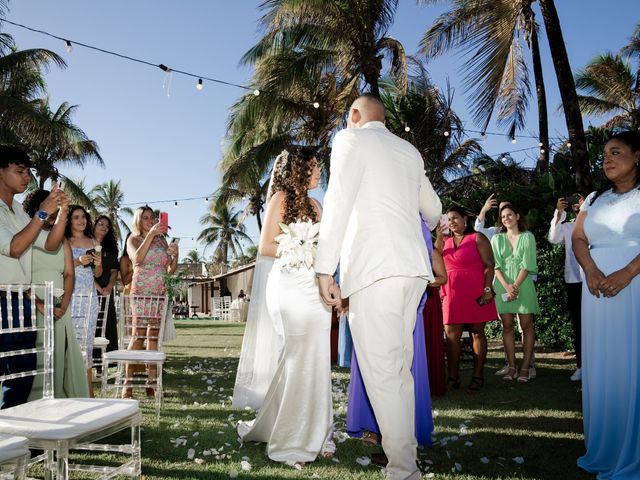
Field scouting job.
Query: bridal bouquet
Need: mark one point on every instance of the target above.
(297, 244)
(58, 293)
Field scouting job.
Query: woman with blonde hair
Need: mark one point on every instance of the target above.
(151, 257)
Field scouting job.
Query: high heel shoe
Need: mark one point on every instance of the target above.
(525, 375)
(511, 374)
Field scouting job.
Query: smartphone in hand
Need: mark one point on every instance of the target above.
(164, 218)
(505, 297)
(91, 251)
(175, 240)
(444, 221)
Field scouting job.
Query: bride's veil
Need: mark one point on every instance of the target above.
(261, 344)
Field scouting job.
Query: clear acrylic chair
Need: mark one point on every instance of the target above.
(59, 426)
(101, 342)
(141, 321)
(83, 307)
(14, 456)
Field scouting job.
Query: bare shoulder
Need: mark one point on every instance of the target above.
(317, 206)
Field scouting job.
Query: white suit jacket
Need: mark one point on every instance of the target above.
(371, 216)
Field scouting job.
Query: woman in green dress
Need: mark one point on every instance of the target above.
(70, 375)
(514, 252)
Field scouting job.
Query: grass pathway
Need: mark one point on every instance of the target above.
(531, 431)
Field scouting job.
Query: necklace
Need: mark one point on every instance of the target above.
(456, 245)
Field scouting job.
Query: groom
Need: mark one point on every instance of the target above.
(371, 224)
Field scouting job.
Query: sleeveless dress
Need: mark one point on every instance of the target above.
(360, 416)
(69, 370)
(148, 276)
(85, 285)
(611, 342)
(296, 418)
(109, 263)
(510, 261)
(465, 283)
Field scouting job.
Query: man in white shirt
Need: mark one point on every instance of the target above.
(560, 234)
(490, 203)
(371, 223)
(18, 232)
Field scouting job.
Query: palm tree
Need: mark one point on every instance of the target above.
(22, 89)
(494, 33)
(107, 199)
(611, 86)
(79, 193)
(346, 37)
(224, 230)
(66, 144)
(424, 117)
(193, 256)
(567, 86)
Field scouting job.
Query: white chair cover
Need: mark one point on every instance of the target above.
(261, 345)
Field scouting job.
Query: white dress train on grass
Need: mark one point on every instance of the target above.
(296, 418)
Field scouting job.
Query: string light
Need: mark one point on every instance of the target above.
(568, 144)
(316, 105)
(513, 140)
(199, 86)
(540, 144)
(206, 200)
(256, 92)
(446, 133)
(69, 46)
(407, 128)
(175, 204)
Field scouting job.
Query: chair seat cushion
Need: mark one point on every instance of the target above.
(64, 418)
(12, 447)
(135, 355)
(100, 341)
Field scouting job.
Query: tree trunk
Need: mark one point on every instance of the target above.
(543, 120)
(259, 220)
(568, 94)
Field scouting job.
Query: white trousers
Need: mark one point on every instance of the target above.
(382, 317)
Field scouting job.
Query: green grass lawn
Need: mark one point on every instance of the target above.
(539, 422)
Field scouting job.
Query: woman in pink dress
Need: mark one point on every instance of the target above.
(152, 257)
(467, 298)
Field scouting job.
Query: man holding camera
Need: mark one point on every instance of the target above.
(560, 234)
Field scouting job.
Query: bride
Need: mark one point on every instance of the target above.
(296, 418)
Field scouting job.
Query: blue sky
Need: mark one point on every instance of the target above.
(168, 147)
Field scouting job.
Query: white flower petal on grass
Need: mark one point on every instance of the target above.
(430, 475)
(458, 467)
(233, 473)
(206, 453)
(518, 460)
(484, 460)
(468, 444)
(336, 460)
(364, 461)
(246, 466)
(195, 434)
(199, 461)
(191, 453)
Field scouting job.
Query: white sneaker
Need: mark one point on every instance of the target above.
(577, 375)
(532, 372)
(503, 371)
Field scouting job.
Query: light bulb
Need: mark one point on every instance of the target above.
(513, 140)
(540, 144)
(407, 128)
(542, 150)
(504, 159)
(199, 86)
(446, 133)
(175, 204)
(483, 134)
(316, 105)
(568, 144)
(206, 200)
(256, 92)
(69, 46)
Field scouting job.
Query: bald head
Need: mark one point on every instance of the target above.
(366, 108)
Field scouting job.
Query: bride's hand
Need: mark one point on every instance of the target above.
(329, 291)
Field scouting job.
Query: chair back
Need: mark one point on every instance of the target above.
(142, 317)
(19, 329)
(103, 312)
(83, 306)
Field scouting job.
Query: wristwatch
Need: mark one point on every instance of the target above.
(487, 290)
(42, 215)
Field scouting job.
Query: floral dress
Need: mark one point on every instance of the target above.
(148, 275)
(84, 312)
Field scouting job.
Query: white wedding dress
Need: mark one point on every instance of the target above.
(296, 418)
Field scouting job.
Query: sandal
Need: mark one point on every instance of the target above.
(453, 384)
(371, 439)
(476, 384)
(511, 374)
(524, 375)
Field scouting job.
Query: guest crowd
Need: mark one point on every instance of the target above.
(482, 274)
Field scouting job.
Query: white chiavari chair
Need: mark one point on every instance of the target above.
(14, 456)
(101, 342)
(59, 426)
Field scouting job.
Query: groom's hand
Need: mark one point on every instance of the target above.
(329, 291)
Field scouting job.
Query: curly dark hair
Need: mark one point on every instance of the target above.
(109, 243)
(88, 231)
(292, 178)
(32, 201)
(632, 140)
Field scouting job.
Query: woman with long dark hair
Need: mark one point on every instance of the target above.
(104, 236)
(606, 241)
(87, 262)
(296, 419)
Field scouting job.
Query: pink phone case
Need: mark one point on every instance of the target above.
(164, 218)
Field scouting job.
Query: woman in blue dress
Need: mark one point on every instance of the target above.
(606, 241)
